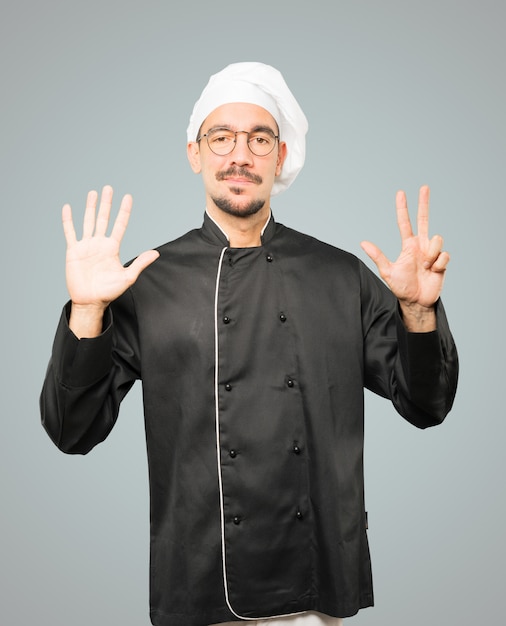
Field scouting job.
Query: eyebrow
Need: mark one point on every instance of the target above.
(256, 129)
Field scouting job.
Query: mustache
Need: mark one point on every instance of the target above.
(239, 172)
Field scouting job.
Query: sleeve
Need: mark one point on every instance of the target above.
(418, 372)
(87, 379)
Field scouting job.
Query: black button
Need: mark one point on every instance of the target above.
(233, 453)
(269, 258)
(228, 387)
(226, 320)
(237, 520)
(296, 448)
(299, 515)
(290, 382)
(282, 317)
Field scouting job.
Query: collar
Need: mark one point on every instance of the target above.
(214, 234)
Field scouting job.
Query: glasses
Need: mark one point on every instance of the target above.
(222, 141)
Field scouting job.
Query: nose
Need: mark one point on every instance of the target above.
(241, 154)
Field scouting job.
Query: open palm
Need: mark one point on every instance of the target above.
(417, 276)
(95, 274)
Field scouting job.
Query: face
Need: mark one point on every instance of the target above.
(238, 183)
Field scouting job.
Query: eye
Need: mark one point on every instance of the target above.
(261, 139)
(220, 138)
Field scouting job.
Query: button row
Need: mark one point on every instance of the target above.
(296, 449)
(289, 383)
(282, 318)
(237, 519)
(268, 257)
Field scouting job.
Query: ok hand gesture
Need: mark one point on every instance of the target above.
(95, 274)
(416, 277)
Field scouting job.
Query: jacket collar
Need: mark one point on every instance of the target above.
(213, 233)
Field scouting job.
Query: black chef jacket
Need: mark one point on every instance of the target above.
(253, 363)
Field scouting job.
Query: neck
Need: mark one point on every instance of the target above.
(242, 232)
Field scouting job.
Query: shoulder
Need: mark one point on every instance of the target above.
(301, 245)
(310, 260)
(182, 261)
(181, 244)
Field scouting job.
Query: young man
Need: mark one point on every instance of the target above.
(254, 344)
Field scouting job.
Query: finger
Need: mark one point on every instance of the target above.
(423, 212)
(441, 263)
(121, 222)
(376, 255)
(89, 214)
(104, 211)
(68, 225)
(433, 250)
(403, 221)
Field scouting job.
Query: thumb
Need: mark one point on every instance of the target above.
(376, 255)
(140, 263)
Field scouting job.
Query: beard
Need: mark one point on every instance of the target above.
(237, 209)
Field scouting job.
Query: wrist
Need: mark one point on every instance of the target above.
(418, 318)
(86, 320)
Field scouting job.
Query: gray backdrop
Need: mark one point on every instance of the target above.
(397, 94)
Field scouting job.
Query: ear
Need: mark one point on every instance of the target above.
(282, 152)
(193, 153)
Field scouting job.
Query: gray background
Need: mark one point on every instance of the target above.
(398, 94)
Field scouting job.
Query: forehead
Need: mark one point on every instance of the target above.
(240, 116)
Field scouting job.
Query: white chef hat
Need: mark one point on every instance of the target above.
(263, 85)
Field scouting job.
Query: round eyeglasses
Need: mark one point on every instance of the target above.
(222, 141)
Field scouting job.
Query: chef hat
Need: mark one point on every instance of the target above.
(263, 85)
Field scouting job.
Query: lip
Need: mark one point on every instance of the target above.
(240, 181)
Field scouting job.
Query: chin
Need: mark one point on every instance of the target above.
(237, 208)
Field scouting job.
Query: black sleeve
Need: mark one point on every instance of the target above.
(418, 372)
(87, 379)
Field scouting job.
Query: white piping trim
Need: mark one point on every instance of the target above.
(265, 225)
(218, 450)
(216, 223)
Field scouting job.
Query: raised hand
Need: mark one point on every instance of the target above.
(416, 277)
(95, 274)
